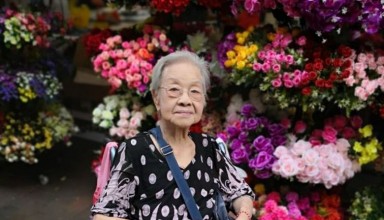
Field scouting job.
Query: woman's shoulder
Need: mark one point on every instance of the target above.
(138, 140)
(204, 139)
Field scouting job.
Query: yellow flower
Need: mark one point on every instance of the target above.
(231, 54)
(358, 147)
(229, 63)
(240, 64)
(366, 131)
(241, 40)
(253, 48)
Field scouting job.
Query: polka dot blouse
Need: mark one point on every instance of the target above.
(142, 186)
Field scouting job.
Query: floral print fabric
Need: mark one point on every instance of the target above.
(142, 186)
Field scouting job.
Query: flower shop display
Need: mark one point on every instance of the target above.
(299, 102)
(32, 117)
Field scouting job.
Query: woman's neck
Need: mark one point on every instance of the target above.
(174, 136)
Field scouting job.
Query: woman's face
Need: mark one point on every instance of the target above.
(180, 98)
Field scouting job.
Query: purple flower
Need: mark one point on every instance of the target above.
(263, 174)
(261, 161)
(232, 131)
(294, 210)
(236, 143)
(248, 110)
(239, 155)
(275, 129)
(243, 136)
(262, 144)
(303, 203)
(252, 123)
(8, 88)
(278, 140)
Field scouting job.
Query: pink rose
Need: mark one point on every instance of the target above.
(311, 171)
(123, 123)
(288, 83)
(256, 67)
(288, 167)
(124, 113)
(276, 83)
(311, 157)
(134, 123)
(361, 93)
(329, 134)
(280, 151)
(276, 68)
(115, 82)
(342, 145)
(301, 41)
(300, 147)
(266, 67)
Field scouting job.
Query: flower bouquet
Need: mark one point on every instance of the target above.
(252, 141)
(128, 64)
(123, 115)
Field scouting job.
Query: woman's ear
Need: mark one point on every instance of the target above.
(156, 99)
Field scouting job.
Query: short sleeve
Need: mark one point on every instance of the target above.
(231, 183)
(120, 189)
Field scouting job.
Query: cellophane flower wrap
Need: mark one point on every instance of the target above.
(128, 64)
(252, 141)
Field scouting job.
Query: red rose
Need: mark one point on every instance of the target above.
(348, 133)
(356, 122)
(308, 67)
(312, 75)
(328, 84)
(318, 66)
(328, 61)
(337, 62)
(345, 74)
(320, 83)
(347, 64)
(306, 91)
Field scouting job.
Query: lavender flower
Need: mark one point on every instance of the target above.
(227, 44)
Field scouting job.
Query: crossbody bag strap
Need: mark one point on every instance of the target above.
(166, 150)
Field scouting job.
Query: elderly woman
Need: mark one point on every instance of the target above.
(141, 185)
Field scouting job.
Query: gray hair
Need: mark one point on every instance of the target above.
(174, 57)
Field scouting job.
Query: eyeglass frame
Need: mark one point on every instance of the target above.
(181, 92)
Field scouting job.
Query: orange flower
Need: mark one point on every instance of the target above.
(143, 53)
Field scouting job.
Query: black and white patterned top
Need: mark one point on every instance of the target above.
(142, 186)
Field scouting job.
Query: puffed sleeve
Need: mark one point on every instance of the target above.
(230, 182)
(115, 199)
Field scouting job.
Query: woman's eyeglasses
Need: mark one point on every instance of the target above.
(175, 92)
